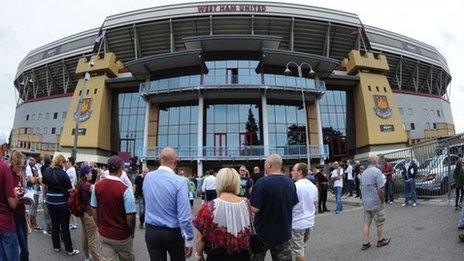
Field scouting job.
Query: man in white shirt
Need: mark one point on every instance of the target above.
(71, 171)
(337, 178)
(303, 212)
(124, 178)
(72, 174)
(349, 178)
(34, 179)
(209, 186)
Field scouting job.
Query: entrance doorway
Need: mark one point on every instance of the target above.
(220, 144)
(127, 145)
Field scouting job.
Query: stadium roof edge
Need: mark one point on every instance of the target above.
(272, 8)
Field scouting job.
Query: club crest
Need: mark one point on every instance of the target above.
(85, 110)
(382, 108)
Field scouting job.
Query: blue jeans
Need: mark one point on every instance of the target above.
(389, 187)
(338, 199)
(410, 191)
(21, 233)
(9, 250)
(461, 220)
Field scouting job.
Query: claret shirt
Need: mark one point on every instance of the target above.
(6, 191)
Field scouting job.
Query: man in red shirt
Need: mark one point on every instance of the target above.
(8, 201)
(387, 170)
(114, 211)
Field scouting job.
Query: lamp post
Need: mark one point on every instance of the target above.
(77, 112)
(300, 74)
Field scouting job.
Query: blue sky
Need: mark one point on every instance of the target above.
(26, 25)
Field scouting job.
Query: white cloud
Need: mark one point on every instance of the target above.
(25, 25)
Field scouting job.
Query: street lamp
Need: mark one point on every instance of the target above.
(77, 112)
(300, 74)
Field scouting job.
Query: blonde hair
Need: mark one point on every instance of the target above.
(227, 180)
(17, 161)
(58, 161)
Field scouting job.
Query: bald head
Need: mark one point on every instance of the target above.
(168, 157)
(273, 164)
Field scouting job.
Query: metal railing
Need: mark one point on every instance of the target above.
(436, 163)
(239, 152)
(193, 82)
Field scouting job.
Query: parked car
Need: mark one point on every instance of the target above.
(434, 174)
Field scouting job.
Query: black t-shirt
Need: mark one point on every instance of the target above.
(274, 196)
(58, 184)
(256, 176)
(139, 186)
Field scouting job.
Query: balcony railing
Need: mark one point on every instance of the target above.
(241, 152)
(193, 82)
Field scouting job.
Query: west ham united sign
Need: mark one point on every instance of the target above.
(85, 110)
(381, 108)
(231, 8)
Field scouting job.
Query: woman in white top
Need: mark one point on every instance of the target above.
(224, 224)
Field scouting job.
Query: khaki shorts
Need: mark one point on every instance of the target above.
(299, 239)
(377, 215)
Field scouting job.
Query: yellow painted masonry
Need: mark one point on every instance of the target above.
(98, 126)
(368, 123)
(153, 126)
(373, 85)
(312, 120)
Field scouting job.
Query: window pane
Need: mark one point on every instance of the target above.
(173, 115)
(232, 113)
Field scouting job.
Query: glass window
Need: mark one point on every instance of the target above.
(413, 126)
(179, 129)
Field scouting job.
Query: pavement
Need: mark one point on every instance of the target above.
(426, 232)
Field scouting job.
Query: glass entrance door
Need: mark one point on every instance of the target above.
(220, 144)
(127, 145)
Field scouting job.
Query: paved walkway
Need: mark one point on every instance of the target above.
(427, 232)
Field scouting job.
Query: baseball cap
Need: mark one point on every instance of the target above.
(115, 162)
(86, 169)
(2, 138)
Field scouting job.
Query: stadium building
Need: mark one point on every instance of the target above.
(231, 82)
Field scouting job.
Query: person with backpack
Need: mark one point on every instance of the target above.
(80, 205)
(58, 189)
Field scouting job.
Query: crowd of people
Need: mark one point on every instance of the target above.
(242, 215)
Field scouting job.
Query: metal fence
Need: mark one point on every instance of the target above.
(436, 161)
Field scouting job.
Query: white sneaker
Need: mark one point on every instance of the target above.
(404, 204)
(414, 204)
(391, 202)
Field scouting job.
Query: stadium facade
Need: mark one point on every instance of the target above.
(228, 82)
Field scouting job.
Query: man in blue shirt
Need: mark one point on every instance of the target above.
(168, 217)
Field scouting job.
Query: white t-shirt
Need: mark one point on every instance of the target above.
(29, 174)
(349, 172)
(335, 173)
(305, 211)
(209, 183)
(72, 176)
(124, 178)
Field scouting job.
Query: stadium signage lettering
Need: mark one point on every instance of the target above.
(231, 8)
(387, 128)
